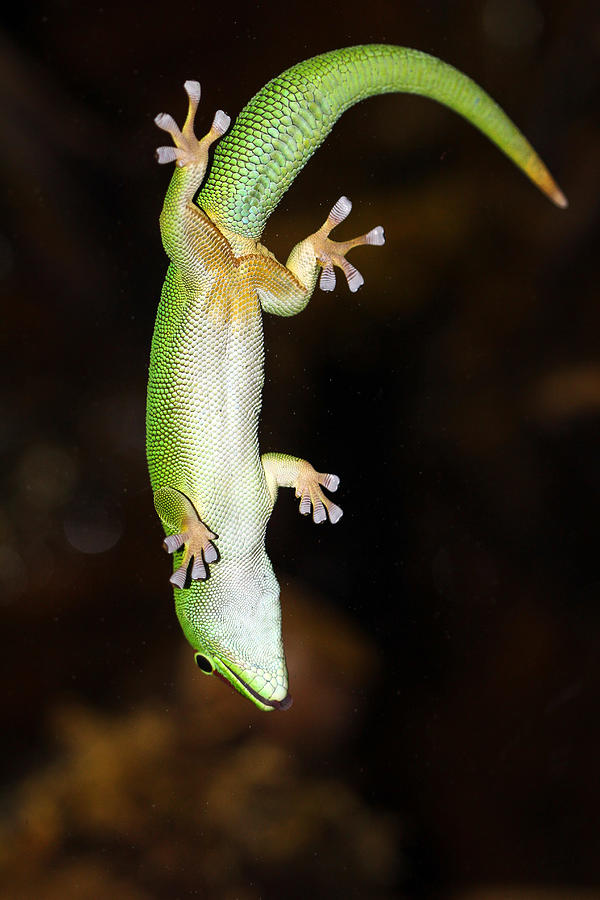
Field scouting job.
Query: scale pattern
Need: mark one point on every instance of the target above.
(206, 363)
(204, 394)
(281, 127)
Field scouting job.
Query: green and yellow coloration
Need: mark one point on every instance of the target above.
(212, 489)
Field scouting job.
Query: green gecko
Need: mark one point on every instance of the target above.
(213, 491)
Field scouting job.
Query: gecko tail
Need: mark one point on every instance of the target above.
(278, 131)
(556, 195)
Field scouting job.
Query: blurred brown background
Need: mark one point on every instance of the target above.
(443, 639)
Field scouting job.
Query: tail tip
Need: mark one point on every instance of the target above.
(539, 174)
(558, 198)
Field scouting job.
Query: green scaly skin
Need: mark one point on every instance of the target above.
(213, 491)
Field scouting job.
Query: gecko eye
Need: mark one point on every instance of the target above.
(204, 664)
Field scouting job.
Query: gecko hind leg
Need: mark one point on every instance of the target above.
(179, 514)
(188, 149)
(333, 253)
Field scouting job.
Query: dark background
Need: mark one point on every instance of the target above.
(443, 639)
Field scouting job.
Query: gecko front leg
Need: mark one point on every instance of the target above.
(290, 471)
(178, 514)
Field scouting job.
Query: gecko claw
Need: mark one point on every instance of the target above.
(192, 570)
(199, 571)
(179, 577)
(199, 552)
(335, 513)
(188, 150)
(211, 554)
(319, 513)
(333, 253)
(165, 155)
(167, 123)
(221, 122)
(340, 210)
(322, 508)
(353, 276)
(327, 280)
(375, 237)
(331, 482)
(311, 496)
(304, 505)
(174, 542)
(193, 90)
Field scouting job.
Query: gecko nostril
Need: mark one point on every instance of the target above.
(204, 664)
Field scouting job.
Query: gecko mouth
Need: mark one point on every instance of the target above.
(275, 704)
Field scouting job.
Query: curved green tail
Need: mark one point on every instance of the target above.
(281, 127)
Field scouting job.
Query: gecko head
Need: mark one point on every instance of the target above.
(233, 622)
(267, 693)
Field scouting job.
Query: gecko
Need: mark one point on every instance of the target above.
(213, 490)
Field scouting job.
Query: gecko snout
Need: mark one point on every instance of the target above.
(227, 674)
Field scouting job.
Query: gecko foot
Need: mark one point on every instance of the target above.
(333, 253)
(188, 149)
(178, 514)
(308, 491)
(199, 552)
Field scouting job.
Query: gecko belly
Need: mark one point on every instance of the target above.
(204, 397)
